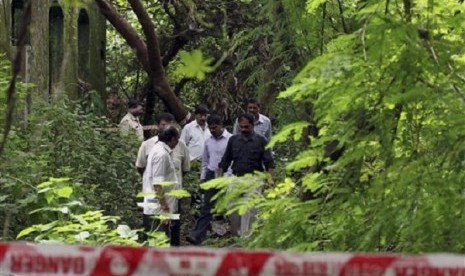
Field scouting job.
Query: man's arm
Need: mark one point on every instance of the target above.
(269, 166)
(141, 160)
(186, 159)
(124, 127)
(268, 133)
(140, 171)
(236, 127)
(159, 165)
(268, 160)
(185, 135)
(205, 160)
(226, 159)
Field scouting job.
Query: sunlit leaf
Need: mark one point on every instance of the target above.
(194, 65)
(64, 192)
(179, 193)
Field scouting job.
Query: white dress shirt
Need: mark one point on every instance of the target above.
(194, 136)
(160, 168)
(180, 155)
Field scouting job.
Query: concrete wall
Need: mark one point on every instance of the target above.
(53, 52)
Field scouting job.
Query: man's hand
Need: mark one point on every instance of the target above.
(164, 205)
(220, 172)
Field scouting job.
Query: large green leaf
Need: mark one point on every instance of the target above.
(64, 192)
(194, 65)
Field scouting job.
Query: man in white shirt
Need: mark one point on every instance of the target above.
(160, 170)
(194, 133)
(130, 122)
(262, 124)
(180, 155)
(181, 152)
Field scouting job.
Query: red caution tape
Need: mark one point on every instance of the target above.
(31, 259)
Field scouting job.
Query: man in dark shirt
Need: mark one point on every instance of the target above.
(246, 150)
(247, 153)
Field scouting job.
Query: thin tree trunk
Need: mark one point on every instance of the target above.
(127, 32)
(271, 89)
(147, 54)
(341, 14)
(408, 10)
(16, 66)
(322, 30)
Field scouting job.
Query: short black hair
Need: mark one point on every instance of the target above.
(167, 134)
(133, 103)
(249, 117)
(214, 119)
(165, 116)
(253, 101)
(201, 109)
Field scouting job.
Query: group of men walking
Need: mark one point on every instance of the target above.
(163, 160)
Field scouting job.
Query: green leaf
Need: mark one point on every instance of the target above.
(44, 184)
(312, 5)
(49, 196)
(311, 183)
(305, 160)
(194, 65)
(165, 184)
(281, 189)
(144, 194)
(286, 132)
(26, 232)
(64, 192)
(41, 191)
(80, 219)
(179, 193)
(59, 180)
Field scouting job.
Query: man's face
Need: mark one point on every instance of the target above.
(216, 130)
(137, 111)
(164, 125)
(254, 109)
(201, 119)
(245, 127)
(174, 141)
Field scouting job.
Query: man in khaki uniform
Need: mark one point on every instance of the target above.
(130, 122)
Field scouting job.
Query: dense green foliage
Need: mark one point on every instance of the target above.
(370, 149)
(71, 221)
(61, 142)
(389, 96)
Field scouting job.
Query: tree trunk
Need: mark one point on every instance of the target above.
(148, 54)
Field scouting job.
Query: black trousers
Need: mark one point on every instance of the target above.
(172, 230)
(202, 224)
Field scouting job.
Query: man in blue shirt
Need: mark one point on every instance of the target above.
(214, 148)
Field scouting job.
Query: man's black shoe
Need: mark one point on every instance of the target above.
(192, 240)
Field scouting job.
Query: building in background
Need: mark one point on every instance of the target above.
(65, 47)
